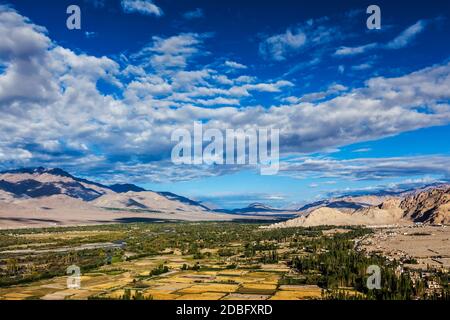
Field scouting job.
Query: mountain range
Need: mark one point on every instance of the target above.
(42, 196)
(429, 204)
(36, 196)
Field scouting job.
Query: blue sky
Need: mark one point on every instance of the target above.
(357, 109)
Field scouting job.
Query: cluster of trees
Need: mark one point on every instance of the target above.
(335, 266)
(17, 269)
(159, 270)
(270, 257)
(138, 295)
(195, 267)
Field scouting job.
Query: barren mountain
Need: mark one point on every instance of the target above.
(146, 200)
(429, 206)
(347, 204)
(385, 213)
(41, 197)
(41, 182)
(426, 205)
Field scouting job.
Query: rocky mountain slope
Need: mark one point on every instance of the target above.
(346, 203)
(428, 206)
(425, 205)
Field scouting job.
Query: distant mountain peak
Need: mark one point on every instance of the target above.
(20, 184)
(259, 205)
(40, 170)
(125, 187)
(38, 186)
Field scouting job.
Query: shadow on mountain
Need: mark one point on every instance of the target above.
(143, 220)
(28, 220)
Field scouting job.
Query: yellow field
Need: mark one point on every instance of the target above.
(214, 281)
(298, 293)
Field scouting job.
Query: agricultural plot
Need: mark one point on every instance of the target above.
(184, 261)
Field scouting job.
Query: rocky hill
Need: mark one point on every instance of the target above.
(425, 205)
(429, 206)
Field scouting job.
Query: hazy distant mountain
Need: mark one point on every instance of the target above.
(255, 207)
(261, 210)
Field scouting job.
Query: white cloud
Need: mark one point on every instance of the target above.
(172, 52)
(235, 65)
(362, 66)
(245, 79)
(146, 7)
(407, 36)
(370, 168)
(311, 35)
(399, 42)
(346, 51)
(90, 34)
(50, 101)
(316, 96)
(277, 47)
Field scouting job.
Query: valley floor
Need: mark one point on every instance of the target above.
(41, 218)
(229, 261)
(427, 245)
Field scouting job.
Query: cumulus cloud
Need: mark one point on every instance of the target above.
(171, 52)
(60, 118)
(235, 65)
(146, 7)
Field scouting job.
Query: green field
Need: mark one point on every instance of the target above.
(199, 261)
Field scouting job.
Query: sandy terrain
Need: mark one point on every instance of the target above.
(429, 245)
(76, 212)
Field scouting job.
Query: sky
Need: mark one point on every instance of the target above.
(357, 109)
